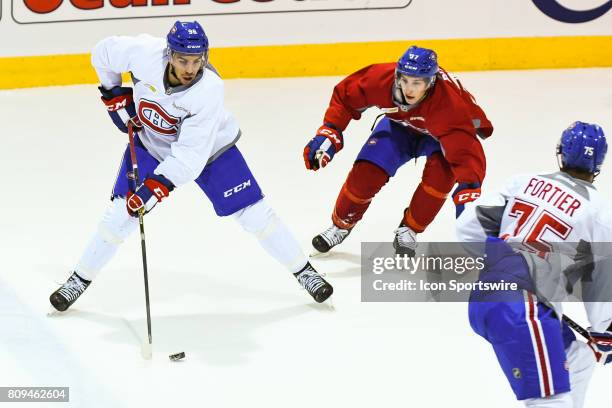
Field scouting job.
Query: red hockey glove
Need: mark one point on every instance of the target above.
(601, 344)
(148, 194)
(120, 106)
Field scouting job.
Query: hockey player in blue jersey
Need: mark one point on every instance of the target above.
(184, 135)
(544, 216)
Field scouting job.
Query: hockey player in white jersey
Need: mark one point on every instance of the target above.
(184, 135)
(558, 215)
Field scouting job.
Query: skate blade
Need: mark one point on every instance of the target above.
(327, 306)
(53, 312)
(146, 350)
(317, 254)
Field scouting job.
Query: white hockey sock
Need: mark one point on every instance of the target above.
(115, 226)
(582, 362)
(556, 401)
(273, 235)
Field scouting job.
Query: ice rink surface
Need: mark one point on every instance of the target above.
(252, 338)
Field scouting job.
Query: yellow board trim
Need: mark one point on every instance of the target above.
(339, 59)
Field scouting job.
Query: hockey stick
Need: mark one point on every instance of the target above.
(577, 328)
(147, 346)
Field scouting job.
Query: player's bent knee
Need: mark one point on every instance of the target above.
(366, 179)
(258, 218)
(117, 224)
(438, 174)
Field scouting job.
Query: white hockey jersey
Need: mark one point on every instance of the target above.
(185, 127)
(549, 213)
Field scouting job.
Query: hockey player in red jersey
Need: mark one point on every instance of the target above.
(427, 113)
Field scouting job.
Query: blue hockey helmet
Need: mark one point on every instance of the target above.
(582, 146)
(187, 38)
(419, 62)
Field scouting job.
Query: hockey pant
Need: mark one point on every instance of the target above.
(538, 353)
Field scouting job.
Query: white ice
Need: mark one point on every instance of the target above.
(251, 337)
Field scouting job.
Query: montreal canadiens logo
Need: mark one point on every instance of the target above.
(156, 118)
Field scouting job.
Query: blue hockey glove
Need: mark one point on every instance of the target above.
(601, 344)
(153, 190)
(463, 194)
(322, 148)
(120, 105)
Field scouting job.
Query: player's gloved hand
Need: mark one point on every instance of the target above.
(148, 194)
(120, 105)
(601, 344)
(463, 194)
(322, 148)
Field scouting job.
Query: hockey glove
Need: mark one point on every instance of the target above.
(120, 106)
(322, 148)
(601, 344)
(148, 194)
(463, 194)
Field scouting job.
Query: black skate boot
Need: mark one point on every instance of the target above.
(310, 280)
(405, 242)
(69, 292)
(330, 238)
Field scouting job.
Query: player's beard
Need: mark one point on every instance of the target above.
(174, 77)
(172, 74)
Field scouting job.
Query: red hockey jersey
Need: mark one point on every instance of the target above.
(448, 113)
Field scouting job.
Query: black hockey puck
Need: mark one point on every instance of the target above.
(177, 356)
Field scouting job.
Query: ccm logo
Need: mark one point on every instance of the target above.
(158, 192)
(237, 189)
(117, 105)
(466, 197)
(330, 134)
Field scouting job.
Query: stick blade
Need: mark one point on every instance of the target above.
(146, 350)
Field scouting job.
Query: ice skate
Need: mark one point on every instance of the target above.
(314, 284)
(69, 292)
(405, 242)
(330, 238)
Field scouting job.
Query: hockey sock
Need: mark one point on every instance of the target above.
(115, 226)
(363, 182)
(272, 234)
(581, 360)
(556, 401)
(428, 198)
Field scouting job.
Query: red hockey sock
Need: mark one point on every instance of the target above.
(363, 182)
(427, 200)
